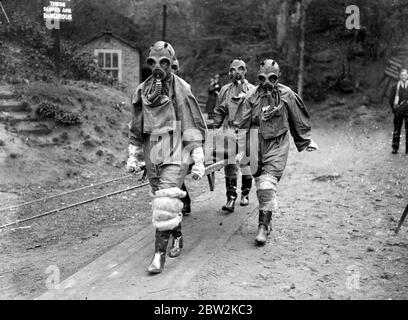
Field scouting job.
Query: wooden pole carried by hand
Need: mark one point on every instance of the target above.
(404, 215)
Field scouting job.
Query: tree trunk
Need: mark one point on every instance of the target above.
(302, 48)
(303, 7)
(282, 23)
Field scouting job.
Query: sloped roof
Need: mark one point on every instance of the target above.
(113, 35)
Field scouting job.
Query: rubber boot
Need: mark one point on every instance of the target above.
(159, 258)
(186, 202)
(231, 186)
(177, 242)
(264, 228)
(245, 189)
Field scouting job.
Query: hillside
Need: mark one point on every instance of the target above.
(38, 149)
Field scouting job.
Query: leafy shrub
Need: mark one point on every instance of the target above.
(52, 111)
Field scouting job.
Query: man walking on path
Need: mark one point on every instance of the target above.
(272, 110)
(167, 131)
(399, 105)
(229, 98)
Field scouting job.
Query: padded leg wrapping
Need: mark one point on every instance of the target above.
(266, 191)
(167, 208)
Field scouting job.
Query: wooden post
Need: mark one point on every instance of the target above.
(4, 11)
(57, 52)
(164, 22)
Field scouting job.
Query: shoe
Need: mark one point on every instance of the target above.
(230, 205)
(157, 264)
(176, 246)
(264, 227)
(245, 189)
(394, 151)
(262, 234)
(231, 186)
(244, 201)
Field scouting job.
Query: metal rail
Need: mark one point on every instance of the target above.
(72, 205)
(64, 193)
(209, 172)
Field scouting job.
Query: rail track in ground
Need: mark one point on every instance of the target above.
(38, 208)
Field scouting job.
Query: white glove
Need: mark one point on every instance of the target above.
(198, 171)
(312, 146)
(239, 157)
(198, 168)
(134, 165)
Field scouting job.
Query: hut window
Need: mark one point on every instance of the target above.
(110, 62)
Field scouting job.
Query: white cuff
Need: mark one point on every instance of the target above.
(134, 151)
(197, 154)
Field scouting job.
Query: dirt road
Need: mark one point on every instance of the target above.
(332, 238)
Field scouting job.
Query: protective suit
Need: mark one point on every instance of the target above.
(167, 131)
(271, 110)
(230, 97)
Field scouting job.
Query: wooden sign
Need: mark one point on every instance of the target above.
(58, 10)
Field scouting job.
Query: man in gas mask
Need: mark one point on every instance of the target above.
(275, 110)
(229, 98)
(167, 131)
(132, 162)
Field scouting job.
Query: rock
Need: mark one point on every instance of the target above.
(2, 143)
(329, 177)
(98, 129)
(64, 136)
(110, 120)
(99, 153)
(89, 143)
(13, 155)
(120, 164)
(370, 249)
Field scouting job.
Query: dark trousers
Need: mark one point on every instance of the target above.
(401, 114)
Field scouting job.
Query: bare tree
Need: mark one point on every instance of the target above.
(303, 8)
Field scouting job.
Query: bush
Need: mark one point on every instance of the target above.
(81, 65)
(52, 111)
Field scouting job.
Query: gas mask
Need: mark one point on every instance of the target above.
(160, 60)
(268, 75)
(237, 70)
(175, 67)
